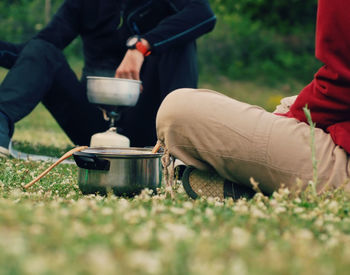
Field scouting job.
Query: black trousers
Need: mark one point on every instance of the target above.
(41, 74)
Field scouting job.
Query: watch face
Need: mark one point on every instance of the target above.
(132, 41)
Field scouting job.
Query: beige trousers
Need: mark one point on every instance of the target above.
(209, 130)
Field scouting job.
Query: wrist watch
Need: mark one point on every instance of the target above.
(134, 42)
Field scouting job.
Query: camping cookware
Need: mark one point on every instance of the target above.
(126, 171)
(113, 91)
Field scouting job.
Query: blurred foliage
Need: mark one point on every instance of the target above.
(283, 16)
(261, 40)
(267, 40)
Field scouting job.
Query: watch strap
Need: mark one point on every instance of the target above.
(142, 48)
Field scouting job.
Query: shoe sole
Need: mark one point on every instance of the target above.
(213, 184)
(208, 183)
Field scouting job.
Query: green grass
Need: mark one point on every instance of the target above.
(53, 229)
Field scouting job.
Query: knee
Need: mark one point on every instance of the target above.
(38, 48)
(175, 107)
(182, 109)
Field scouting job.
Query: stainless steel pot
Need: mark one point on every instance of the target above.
(113, 91)
(126, 171)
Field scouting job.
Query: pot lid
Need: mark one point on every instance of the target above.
(130, 152)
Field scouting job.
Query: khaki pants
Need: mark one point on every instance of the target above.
(209, 130)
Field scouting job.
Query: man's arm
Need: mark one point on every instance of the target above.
(64, 26)
(195, 19)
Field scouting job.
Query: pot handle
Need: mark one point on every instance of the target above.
(91, 161)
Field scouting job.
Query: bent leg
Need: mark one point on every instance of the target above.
(29, 79)
(42, 73)
(208, 130)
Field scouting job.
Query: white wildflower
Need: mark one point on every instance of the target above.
(218, 203)
(240, 238)
(106, 229)
(15, 193)
(180, 189)
(142, 236)
(147, 262)
(100, 261)
(35, 265)
(64, 212)
(261, 205)
(79, 229)
(257, 213)
(319, 222)
(261, 236)
(188, 205)
(209, 213)
(36, 229)
(297, 200)
(106, 211)
(157, 208)
(238, 266)
(333, 206)
(178, 211)
(279, 210)
(323, 237)
(241, 207)
(123, 205)
(12, 244)
(168, 189)
(134, 215)
(331, 218)
(179, 231)
(332, 242)
(298, 210)
(304, 234)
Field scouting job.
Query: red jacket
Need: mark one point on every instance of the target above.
(328, 95)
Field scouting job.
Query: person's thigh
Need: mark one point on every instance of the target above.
(41, 73)
(208, 130)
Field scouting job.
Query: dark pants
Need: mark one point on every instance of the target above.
(42, 74)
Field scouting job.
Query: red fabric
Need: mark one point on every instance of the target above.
(328, 95)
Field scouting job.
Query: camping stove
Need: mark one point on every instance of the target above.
(111, 95)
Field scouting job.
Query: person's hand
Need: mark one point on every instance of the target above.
(131, 65)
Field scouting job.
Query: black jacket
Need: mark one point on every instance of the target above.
(105, 25)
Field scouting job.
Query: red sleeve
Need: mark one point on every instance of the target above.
(328, 95)
(340, 134)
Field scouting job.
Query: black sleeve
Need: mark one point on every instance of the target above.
(194, 20)
(9, 53)
(64, 26)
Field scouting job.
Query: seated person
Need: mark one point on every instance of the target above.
(161, 52)
(225, 142)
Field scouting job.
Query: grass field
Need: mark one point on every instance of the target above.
(53, 229)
